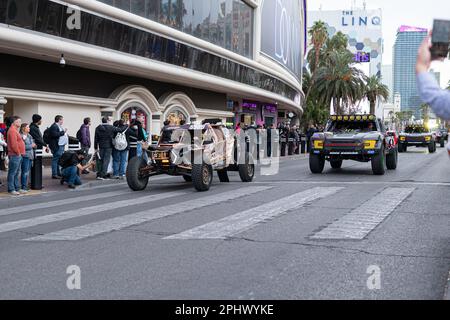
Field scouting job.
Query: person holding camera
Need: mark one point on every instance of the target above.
(429, 89)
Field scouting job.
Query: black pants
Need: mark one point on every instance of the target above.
(105, 155)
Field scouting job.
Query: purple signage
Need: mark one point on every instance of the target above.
(270, 108)
(250, 106)
(411, 29)
(362, 57)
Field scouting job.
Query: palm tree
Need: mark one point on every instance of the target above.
(319, 36)
(339, 82)
(374, 90)
(425, 111)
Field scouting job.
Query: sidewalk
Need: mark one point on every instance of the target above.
(89, 180)
(49, 184)
(447, 289)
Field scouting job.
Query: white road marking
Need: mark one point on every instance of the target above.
(80, 212)
(248, 219)
(129, 220)
(410, 183)
(51, 204)
(357, 224)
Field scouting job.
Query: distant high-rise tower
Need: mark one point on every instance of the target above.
(405, 54)
(387, 79)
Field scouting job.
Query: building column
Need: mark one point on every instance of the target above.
(3, 102)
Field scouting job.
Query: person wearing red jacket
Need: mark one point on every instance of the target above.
(16, 149)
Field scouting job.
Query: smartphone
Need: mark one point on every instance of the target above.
(441, 39)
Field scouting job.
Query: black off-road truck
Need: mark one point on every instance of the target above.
(360, 138)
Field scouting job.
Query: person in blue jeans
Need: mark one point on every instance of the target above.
(120, 157)
(27, 159)
(57, 143)
(71, 163)
(16, 149)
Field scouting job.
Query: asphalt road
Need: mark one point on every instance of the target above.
(345, 234)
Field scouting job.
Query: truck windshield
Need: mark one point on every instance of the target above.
(351, 126)
(172, 136)
(411, 129)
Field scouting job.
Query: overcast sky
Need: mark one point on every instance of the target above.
(417, 13)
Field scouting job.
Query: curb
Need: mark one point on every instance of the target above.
(447, 289)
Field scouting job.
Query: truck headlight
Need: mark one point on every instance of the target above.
(428, 138)
(370, 144)
(402, 138)
(318, 144)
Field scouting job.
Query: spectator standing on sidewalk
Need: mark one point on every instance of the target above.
(120, 152)
(16, 149)
(84, 137)
(71, 166)
(35, 132)
(3, 146)
(58, 141)
(103, 144)
(27, 158)
(309, 133)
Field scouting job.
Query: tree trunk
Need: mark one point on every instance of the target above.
(372, 107)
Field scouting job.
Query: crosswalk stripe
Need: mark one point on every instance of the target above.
(129, 220)
(51, 204)
(248, 219)
(80, 212)
(357, 224)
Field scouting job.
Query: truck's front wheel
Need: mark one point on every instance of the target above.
(392, 160)
(378, 163)
(316, 163)
(136, 181)
(202, 176)
(432, 147)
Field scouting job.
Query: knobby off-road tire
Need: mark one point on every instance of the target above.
(316, 163)
(202, 176)
(392, 160)
(247, 170)
(134, 179)
(432, 147)
(379, 163)
(402, 148)
(336, 164)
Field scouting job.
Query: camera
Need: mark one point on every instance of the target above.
(441, 39)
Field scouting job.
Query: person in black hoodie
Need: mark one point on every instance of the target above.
(103, 145)
(36, 133)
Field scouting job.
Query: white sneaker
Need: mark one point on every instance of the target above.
(14, 193)
(21, 191)
(100, 178)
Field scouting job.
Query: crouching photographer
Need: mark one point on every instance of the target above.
(71, 163)
(435, 47)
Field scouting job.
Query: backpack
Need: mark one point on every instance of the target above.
(79, 135)
(65, 158)
(120, 141)
(47, 137)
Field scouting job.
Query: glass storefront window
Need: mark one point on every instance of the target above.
(227, 23)
(102, 32)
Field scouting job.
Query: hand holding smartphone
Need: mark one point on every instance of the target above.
(440, 40)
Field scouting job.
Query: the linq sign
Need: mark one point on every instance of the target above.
(349, 19)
